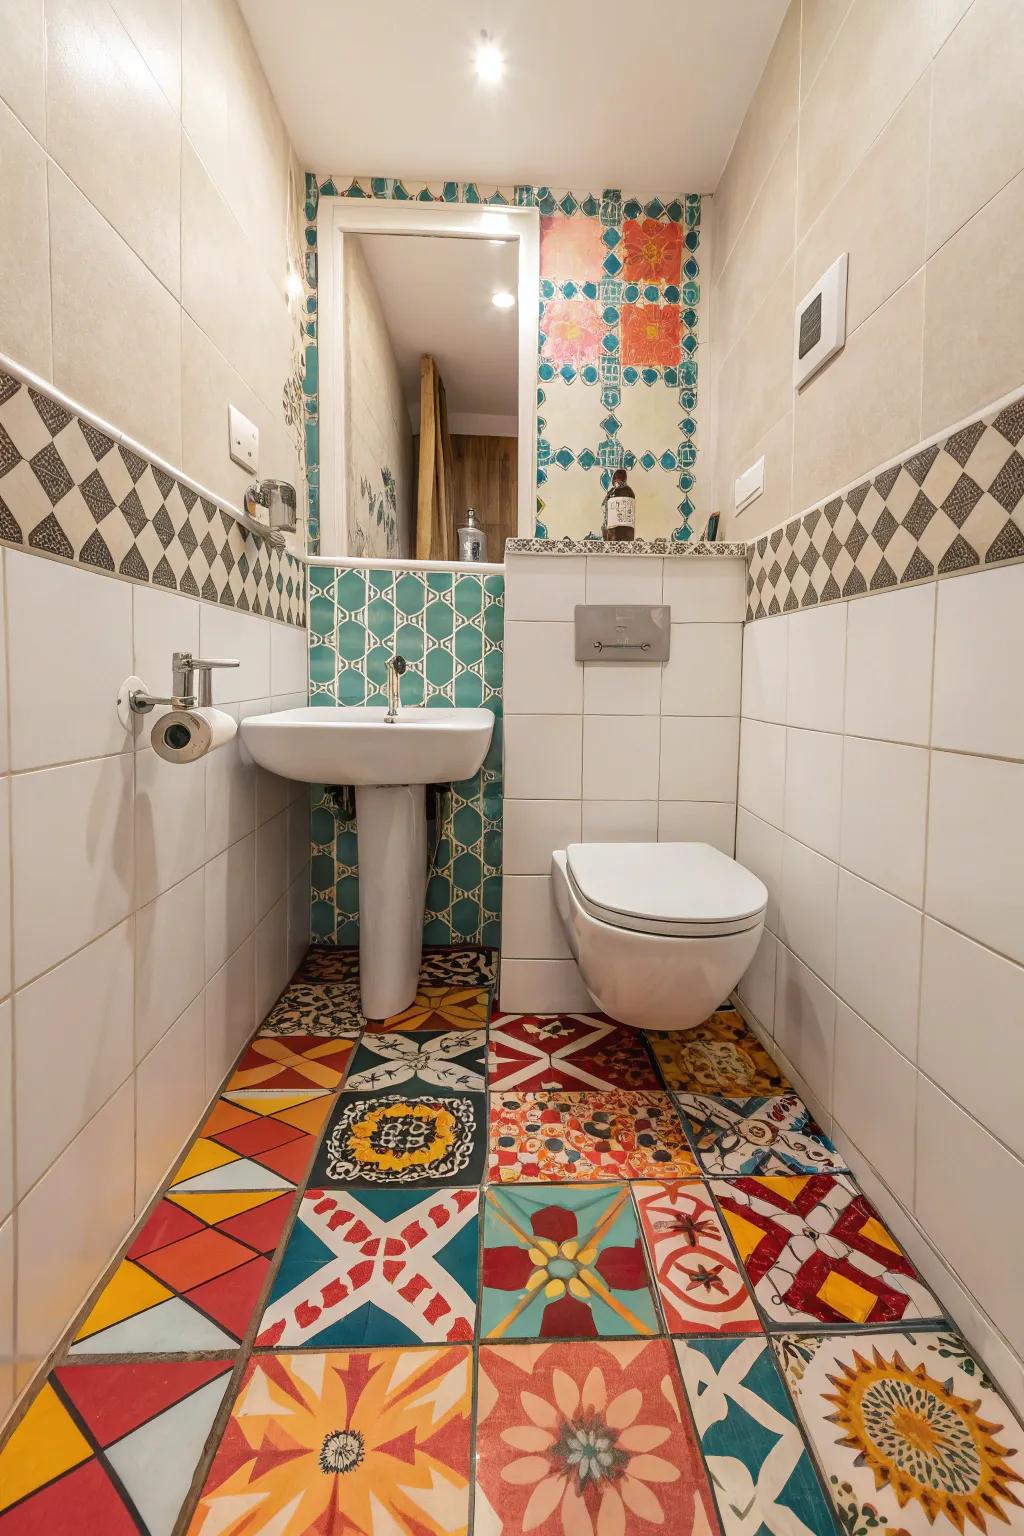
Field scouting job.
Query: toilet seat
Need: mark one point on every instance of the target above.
(679, 890)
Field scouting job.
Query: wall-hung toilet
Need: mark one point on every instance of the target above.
(661, 932)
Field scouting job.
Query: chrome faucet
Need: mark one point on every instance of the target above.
(396, 666)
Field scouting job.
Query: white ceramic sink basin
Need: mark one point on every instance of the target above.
(351, 744)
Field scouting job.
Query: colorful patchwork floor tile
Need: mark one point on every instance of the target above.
(563, 1262)
(420, 1063)
(701, 1286)
(192, 1277)
(253, 1141)
(458, 967)
(814, 1251)
(760, 1470)
(329, 965)
(759, 1135)
(389, 1266)
(391, 1138)
(567, 1050)
(109, 1450)
(276, 1064)
(584, 1136)
(586, 1438)
(308, 1009)
(721, 1057)
(910, 1433)
(441, 1007)
(357, 1443)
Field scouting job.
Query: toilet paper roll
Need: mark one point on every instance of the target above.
(182, 735)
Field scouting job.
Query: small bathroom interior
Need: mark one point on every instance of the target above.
(511, 768)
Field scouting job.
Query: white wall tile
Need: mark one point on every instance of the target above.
(63, 697)
(169, 959)
(889, 643)
(298, 836)
(762, 772)
(544, 757)
(230, 901)
(698, 758)
(170, 835)
(622, 688)
(612, 580)
(979, 640)
(242, 637)
(765, 669)
(702, 674)
(230, 1012)
(873, 1100)
(544, 586)
(757, 985)
(814, 781)
(817, 655)
(698, 821)
(289, 659)
(230, 793)
(971, 1039)
(76, 820)
(960, 1201)
(298, 919)
(878, 960)
(6, 1109)
(73, 1048)
(759, 849)
(706, 591)
(271, 863)
(542, 676)
(620, 821)
(162, 623)
(271, 958)
(807, 918)
(170, 1096)
(805, 1013)
(976, 849)
(543, 986)
(533, 829)
(885, 797)
(620, 757)
(71, 1222)
(531, 928)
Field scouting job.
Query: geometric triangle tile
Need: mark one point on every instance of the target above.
(113, 1400)
(46, 1444)
(275, 1062)
(567, 1050)
(169, 1328)
(253, 1141)
(157, 1462)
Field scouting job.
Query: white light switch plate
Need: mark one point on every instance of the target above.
(749, 485)
(243, 439)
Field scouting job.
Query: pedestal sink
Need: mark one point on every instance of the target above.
(389, 762)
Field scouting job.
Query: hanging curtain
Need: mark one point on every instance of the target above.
(435, 509)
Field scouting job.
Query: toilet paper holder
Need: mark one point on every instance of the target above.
(185, 668)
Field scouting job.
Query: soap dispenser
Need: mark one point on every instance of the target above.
(472, 539)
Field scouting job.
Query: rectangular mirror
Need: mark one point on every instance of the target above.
(427, 333)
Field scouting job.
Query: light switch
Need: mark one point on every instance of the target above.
(243, 439)
(749, 485)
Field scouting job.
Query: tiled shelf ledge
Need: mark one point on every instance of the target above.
(673, 549)
(369, 563)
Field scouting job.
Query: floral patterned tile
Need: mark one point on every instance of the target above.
(567, 1050)
(909, 1431)
(440, 1007)
(420, 1062)
(458, 967)
(306, 1008)
(760, 1469)
(815, 1252)
(757, 1135)
(386, 1266)
(109, 1450)
(701, 1286)
(355, 1443)
(274, 1062)
(721, 1057)
(563, 1262)
(253, 1141)
(583, 1136)
(587, 1438)
(390, 1138)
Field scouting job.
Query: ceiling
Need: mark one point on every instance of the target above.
(436, 298)
(647, 97)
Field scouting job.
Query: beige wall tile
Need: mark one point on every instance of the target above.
(154, 26)
(775, 503)
(209, 385)
(945, 16)
(880, 52)
(820, 25)
(24, 248)
(764, 247)
(116, 342)
(756, 382)
(110, 127)
(974, 324)
(864, 406)
(878, 216)
(22, 63)
(978, 115)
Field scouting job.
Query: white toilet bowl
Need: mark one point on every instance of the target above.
(661, 932)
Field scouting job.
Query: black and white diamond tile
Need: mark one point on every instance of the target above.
(68, 490)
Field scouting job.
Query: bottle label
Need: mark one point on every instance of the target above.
(620, 511)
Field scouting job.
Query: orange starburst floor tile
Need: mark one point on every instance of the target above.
(440, 1007)
(278, 1062)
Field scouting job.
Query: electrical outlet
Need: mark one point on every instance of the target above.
(243, 439)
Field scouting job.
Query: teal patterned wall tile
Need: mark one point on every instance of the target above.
(450, 630)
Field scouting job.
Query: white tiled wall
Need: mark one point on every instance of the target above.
(152, 914)
(606, 751)
(881, 784)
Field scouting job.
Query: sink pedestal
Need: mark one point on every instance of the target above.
(391, 827)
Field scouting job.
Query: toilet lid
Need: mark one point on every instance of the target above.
(666, 887)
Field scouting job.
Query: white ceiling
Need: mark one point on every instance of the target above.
(436, 298)
(646, 96)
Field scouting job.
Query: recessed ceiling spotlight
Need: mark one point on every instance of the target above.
(503, 299)
(489, 61)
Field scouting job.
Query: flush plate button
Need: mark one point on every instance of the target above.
(623, 631)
